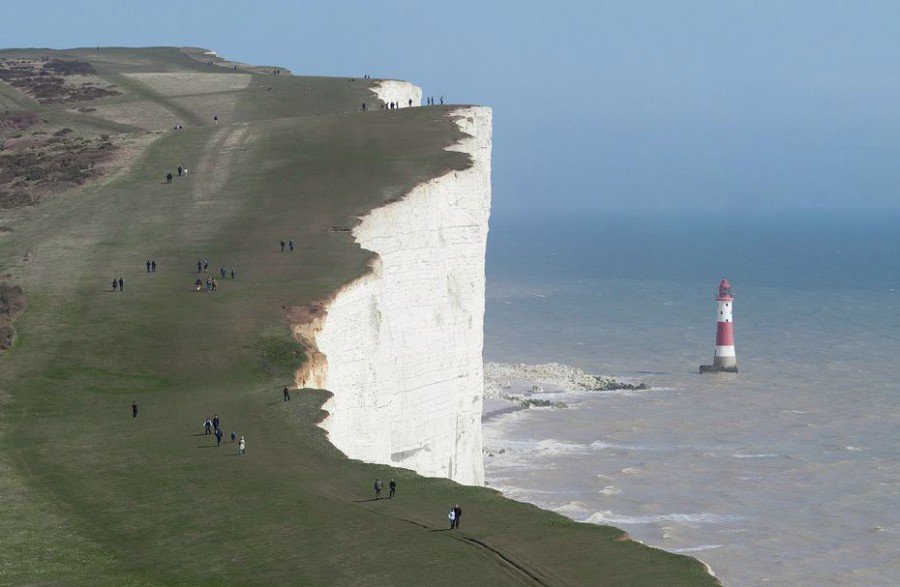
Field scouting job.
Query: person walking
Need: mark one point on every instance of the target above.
(153, 266)
(134, 409)
(452, 517)
(457, 515)
(393, 487)
(222, 272)
(148, 265)
(233, 436)
(199, 266)
(378, 489)
(115, 284)
(232, 272)
(215, 421)
(218, 436)
(208, 426)
(282, 246)
(286, 394)
(205, 266)
(168, 178)
(291, 245)
(242, 446)
(179, 170)
(121, 285)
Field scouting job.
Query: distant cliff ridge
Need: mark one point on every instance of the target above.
(401, 347)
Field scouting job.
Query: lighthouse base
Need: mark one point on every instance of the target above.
(718, 369)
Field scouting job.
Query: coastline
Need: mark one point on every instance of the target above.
(510, 387)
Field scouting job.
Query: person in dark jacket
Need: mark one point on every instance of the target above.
(121, 284)
(458, 515)
(378, 487)
(134, 409)
(218, 436)
(215, 422)
(286, 393)
(393, 487)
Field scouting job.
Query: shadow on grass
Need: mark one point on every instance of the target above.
(365, 500)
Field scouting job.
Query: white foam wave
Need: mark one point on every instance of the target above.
(759, 456)
(610, 490)
(698, 548)
(608, 517)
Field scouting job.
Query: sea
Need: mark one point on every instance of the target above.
(787, 473)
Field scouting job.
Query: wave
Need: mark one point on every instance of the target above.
(608, 517)
(553, 447)
(759, 456)
(697, 548)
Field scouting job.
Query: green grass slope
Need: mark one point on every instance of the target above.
(90, 495)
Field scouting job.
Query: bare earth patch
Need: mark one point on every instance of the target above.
(51, 81)
(46, 160)
(12, 303)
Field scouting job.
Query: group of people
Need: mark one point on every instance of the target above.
(214, 426)
(394, 105)
(118, 284)
(392, 487)
(455, 515)
(151, 265)
(211, 284)
(182, 170)
(290, 244)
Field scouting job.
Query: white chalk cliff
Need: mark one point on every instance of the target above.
(399, 92)
(402, 345)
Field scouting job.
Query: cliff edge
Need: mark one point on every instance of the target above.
(402, 345)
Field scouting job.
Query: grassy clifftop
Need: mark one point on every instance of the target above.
(89, 494)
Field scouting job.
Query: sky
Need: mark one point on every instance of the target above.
(598, 105)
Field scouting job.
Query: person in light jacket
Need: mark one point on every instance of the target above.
(241, 446)
(452, 517)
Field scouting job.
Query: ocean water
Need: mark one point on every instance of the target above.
(785, 474)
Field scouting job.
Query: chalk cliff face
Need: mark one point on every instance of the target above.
(402, 345)
(399, 92)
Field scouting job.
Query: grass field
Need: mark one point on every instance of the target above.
(89, 494)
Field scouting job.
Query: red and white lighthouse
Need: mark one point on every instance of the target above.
(725, 359)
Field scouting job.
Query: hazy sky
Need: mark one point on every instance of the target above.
(626, 104)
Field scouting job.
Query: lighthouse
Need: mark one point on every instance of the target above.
(725, 360)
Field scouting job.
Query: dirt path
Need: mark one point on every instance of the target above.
(216, 163)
